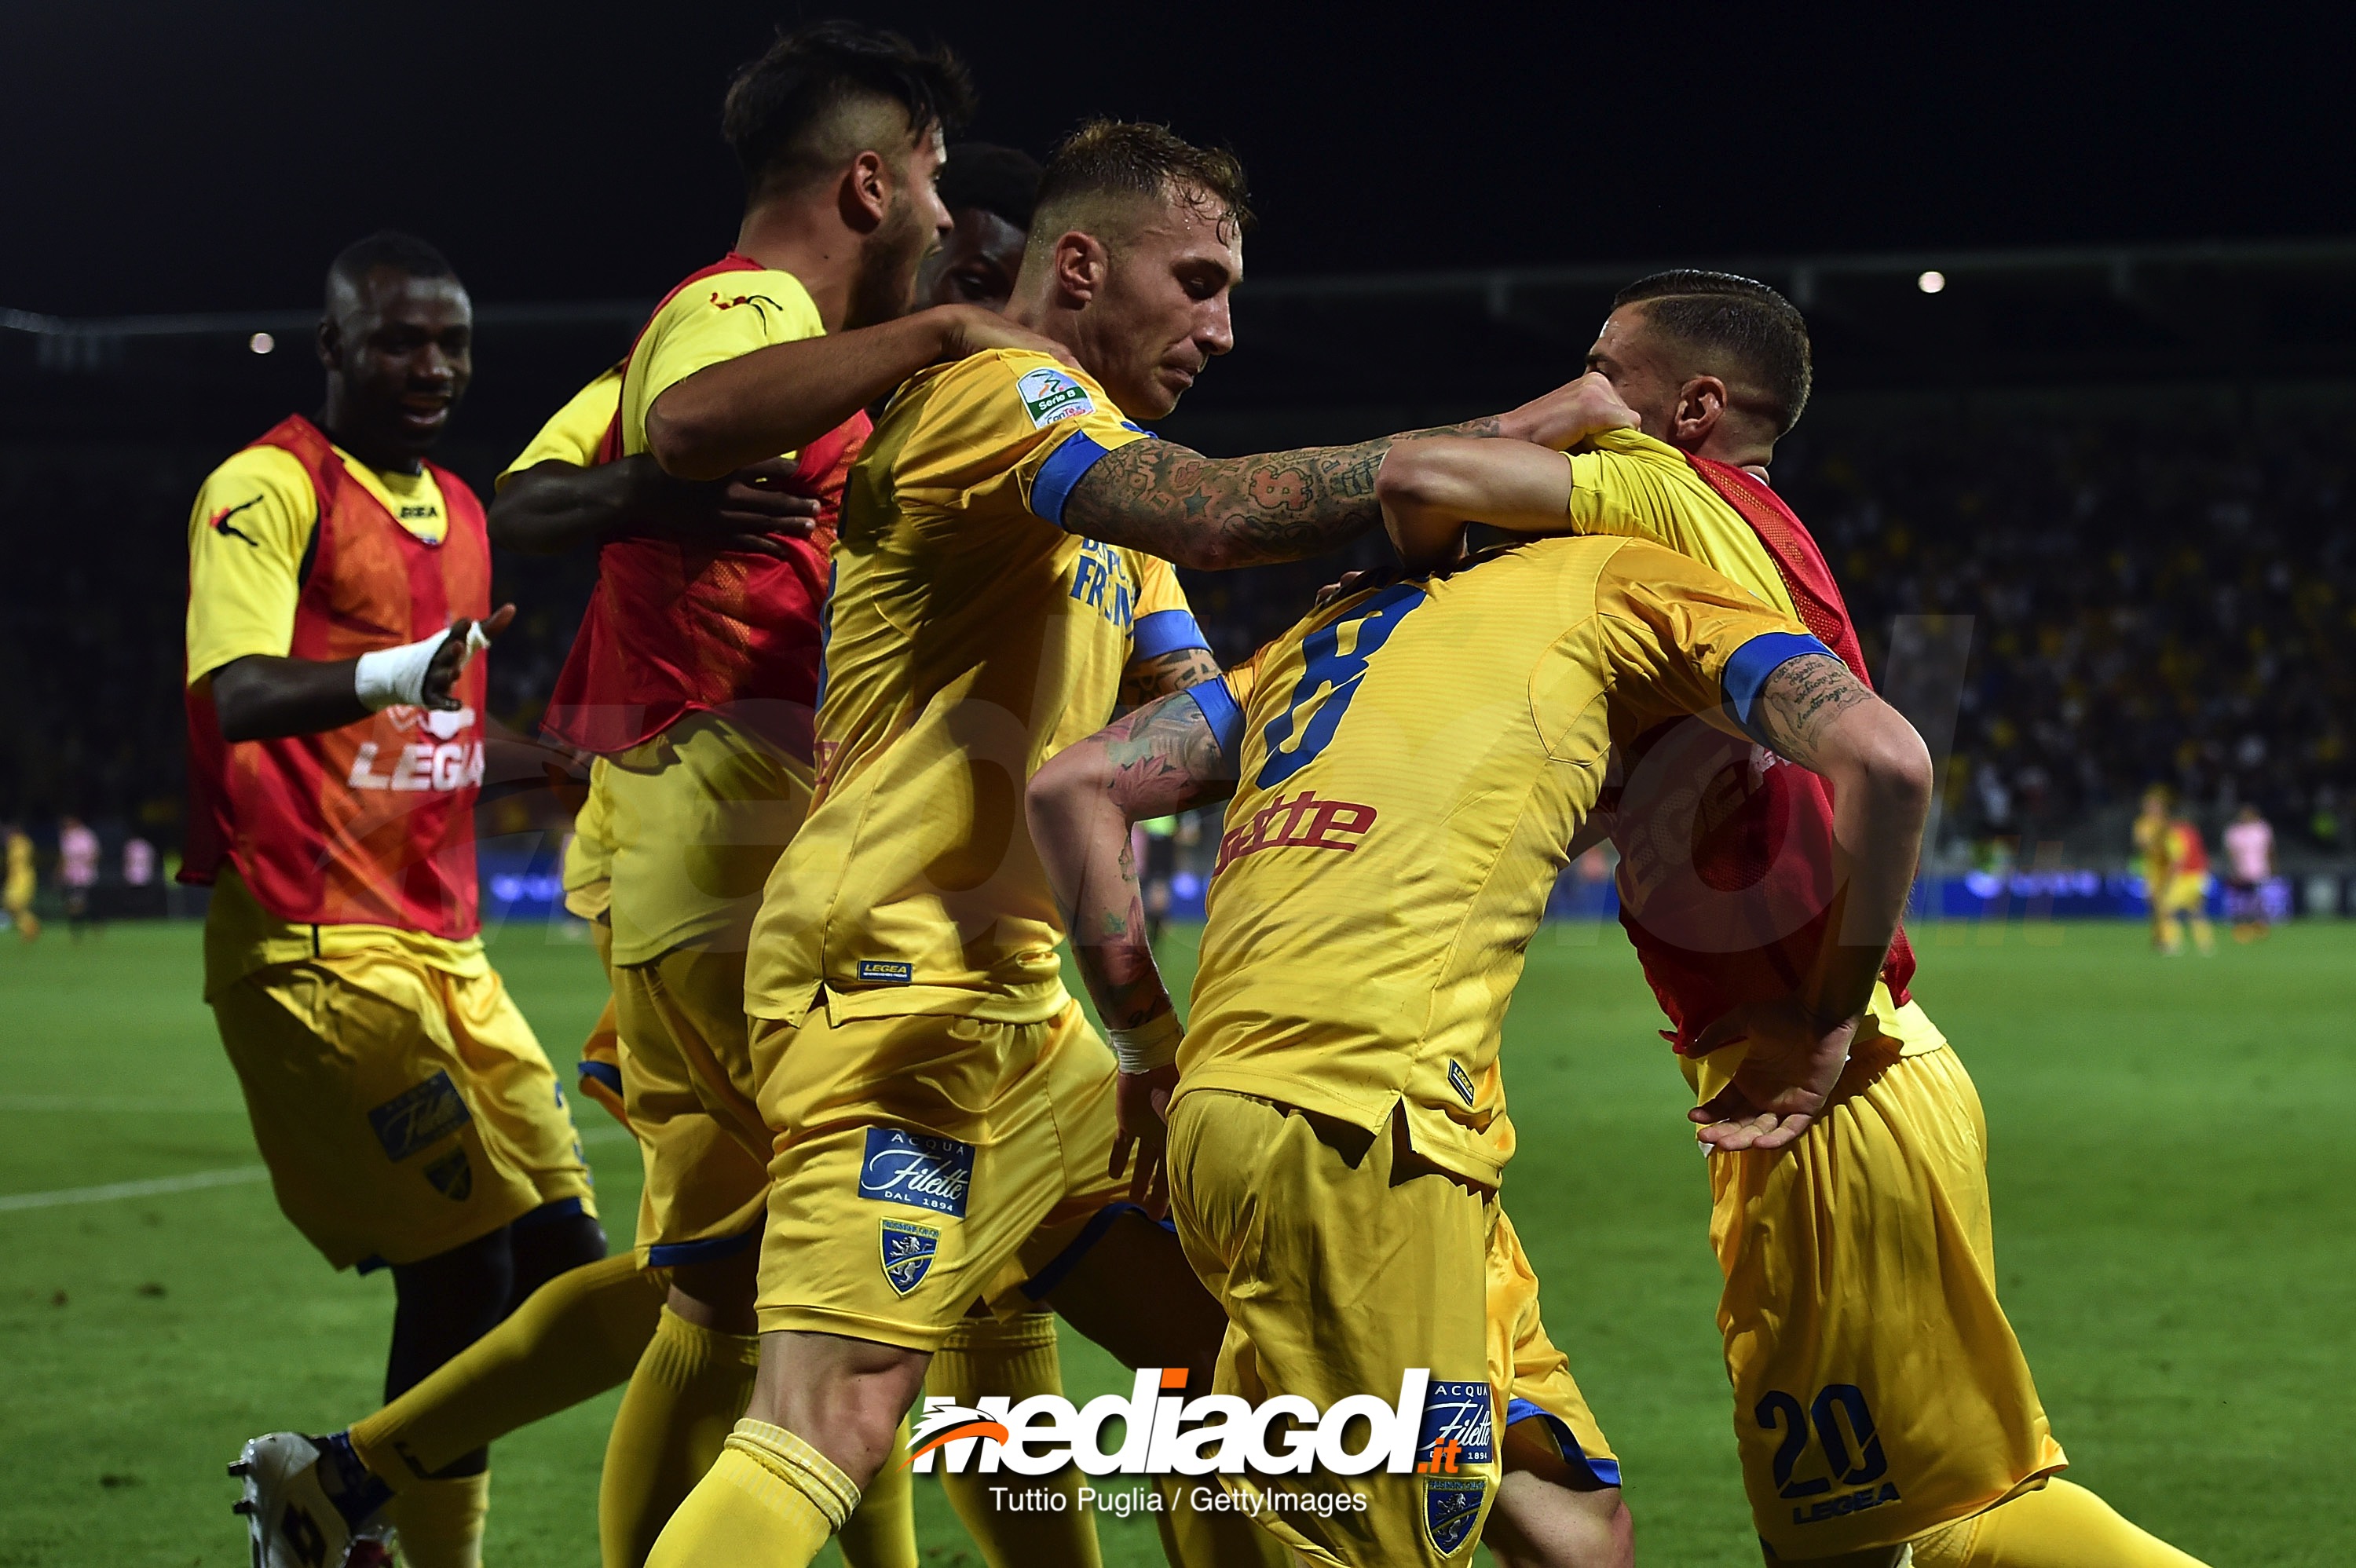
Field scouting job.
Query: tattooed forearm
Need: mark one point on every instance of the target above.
(1213, 513)
(1800, 703)
(1147, 680)
(1164, 759)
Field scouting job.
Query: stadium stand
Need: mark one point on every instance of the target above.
(2159, 569)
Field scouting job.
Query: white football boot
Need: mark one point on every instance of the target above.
(289, 1516)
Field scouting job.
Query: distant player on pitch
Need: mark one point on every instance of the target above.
(338, 586)
(2250, 857)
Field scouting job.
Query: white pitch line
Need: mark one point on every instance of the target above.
(143, 1104)
(229, 1177)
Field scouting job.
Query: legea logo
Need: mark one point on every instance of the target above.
(1429, 1430)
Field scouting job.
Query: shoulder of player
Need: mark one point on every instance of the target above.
(765, 291)
(258, 477)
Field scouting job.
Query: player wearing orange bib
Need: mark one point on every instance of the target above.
(1882, 1404)
(942, 1112)
(337, 584)
(1414, 762)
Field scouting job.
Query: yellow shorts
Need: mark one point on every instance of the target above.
(1879, 1392)
(688, 1096)
(692, 822)
(1342, 1261)
(403, 1110)
(2185, 894)
(922, 1163)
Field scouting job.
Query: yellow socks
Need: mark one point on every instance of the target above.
(770, 1501)
(882, 1529)
(440, 1522)
(576, 1336)
(687, 1392)
(2058, 1526)
(1018, 1359)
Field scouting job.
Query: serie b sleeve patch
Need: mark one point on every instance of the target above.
(1049, 396)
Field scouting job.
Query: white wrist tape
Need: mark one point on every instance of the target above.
(396, 676)
(1151, 1044)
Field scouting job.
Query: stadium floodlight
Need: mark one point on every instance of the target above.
(1931, 283)
(262, 343)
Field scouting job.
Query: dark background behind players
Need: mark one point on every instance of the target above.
(2124, 454)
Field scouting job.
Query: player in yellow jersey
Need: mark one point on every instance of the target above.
(1883, 1405)
(942, 1112)
(409, 1116)
(1415, 762)
(17, 889)
(2175, 874)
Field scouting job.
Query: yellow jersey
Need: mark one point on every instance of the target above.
(1414, 762)
(249, 538)
(1624, 483)
(575, 432)
(968, 639)
(706, 322)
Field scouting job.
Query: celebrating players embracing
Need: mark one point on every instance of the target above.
(997, 586)
(1882, 1404)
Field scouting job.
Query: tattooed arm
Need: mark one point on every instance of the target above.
(1160, 760)
(1147, 680)
(1214, 513)
(1814, 712)
(1430, 489)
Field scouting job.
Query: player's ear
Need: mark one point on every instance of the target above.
(1701, 403)
(866, 192)
(1081, 265)
(330, 344)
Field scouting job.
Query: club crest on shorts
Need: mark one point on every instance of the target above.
(908, 1251)
(912, 1168)
(418, 1116)
(1451, 1511)
(453, 1175)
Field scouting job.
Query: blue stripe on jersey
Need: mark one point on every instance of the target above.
(1605, 1471)
(605, 1073)
(1063, 470)
(1746, 672)
(1224, 714)
(1164, 632)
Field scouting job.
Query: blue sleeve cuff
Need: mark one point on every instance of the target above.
(1224, 714)
(1164, 632)
(1746, 672)
(1064, 468)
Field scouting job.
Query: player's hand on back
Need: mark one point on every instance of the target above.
(1788, 1072)
(1142, 1102)
(442, 670)
(755, 511)
(1570, 414)
(968, 329)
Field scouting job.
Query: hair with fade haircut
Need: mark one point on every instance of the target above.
(1740, 318)
(386, 248)
(1121, 163)
(781, 107)
(1000, 180)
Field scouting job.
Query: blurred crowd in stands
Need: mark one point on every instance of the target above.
(2150, 601)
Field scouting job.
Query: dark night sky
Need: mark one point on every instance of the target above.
(169, 157)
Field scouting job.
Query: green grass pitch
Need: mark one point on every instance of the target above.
(2169, 1160)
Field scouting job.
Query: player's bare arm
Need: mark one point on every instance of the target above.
(554, 507)
(1430, 489)
(1214, 514)
(1147, 680)
(1160, 760)
(261, 696)
(728, 416)
(1812, 711)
